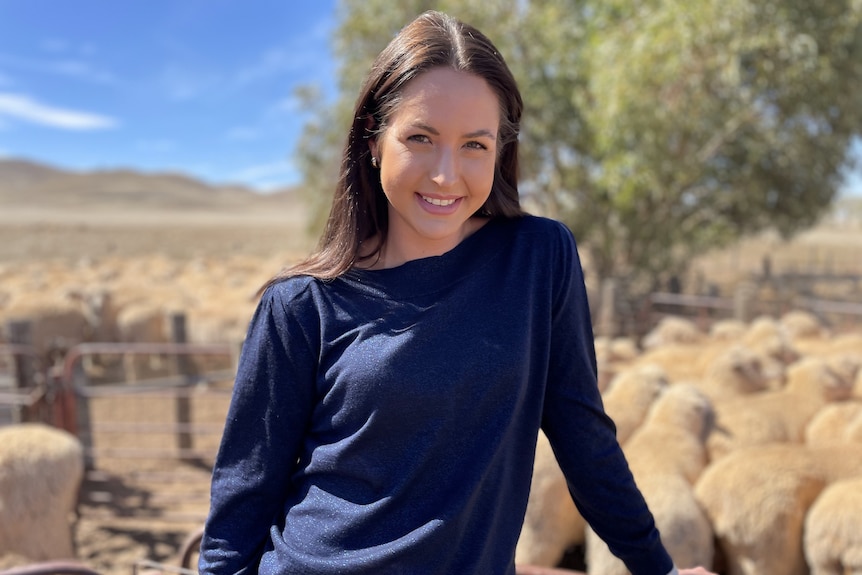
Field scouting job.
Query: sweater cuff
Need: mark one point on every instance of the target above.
(673, 571)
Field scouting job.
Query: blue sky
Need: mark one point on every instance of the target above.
(203, 87)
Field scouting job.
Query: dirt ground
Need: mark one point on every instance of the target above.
(134, 508)
(143, 498)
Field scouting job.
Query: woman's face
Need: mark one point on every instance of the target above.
(437, 158)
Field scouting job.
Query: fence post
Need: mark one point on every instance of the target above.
(743, 301)
(21, 333)
(607, 320)
(183, 401)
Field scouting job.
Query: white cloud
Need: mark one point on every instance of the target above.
(22, 107)
(63, 67)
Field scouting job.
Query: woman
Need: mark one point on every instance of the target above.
(391, 387)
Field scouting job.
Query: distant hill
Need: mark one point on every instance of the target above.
(27, 184)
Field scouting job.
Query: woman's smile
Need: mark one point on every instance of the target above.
(437, 156)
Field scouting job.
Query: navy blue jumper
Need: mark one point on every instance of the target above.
(385, 422)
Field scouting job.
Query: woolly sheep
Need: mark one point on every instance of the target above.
(672, 329)
(737, 371)
(683, 524)
(727, 330)
(853, 434)
(832, 536)
(767, 336)
(41, 469)
(666, 456)
(671, 438)
(552, 523)
(680, 361)
(780, 415)
(613, 350)
(847, 366)
(614, 355)
(685, 362)
(799, 324)
(833, 423)
(630, 395)
(756, 500)
(845, 343)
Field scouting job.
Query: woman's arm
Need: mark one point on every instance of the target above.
(583, 437)
(271, 404)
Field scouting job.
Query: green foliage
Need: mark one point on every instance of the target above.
(655, 129)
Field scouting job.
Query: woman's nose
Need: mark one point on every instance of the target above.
(445, 169)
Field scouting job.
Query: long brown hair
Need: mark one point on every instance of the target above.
(359, 207)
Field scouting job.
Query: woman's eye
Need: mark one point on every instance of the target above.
(422, 138)
(476, 146)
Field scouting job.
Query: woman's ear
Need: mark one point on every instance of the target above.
(371, 130)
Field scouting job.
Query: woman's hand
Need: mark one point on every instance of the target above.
(696, 571)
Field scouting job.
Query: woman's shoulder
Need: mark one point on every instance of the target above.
(541, 225)
(290, 290)
(544, 232)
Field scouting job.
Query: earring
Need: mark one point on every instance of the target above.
(374, 163)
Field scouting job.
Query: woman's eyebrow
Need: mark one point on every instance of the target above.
(475, 134)
(481, 133)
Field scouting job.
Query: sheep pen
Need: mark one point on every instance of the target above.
(210, 267)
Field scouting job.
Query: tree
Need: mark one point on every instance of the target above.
(655, 129)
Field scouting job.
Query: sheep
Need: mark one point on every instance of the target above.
(737, 371)
(845, 343)
(142, 322)
(853, 434)
(681, 417)
(727, 330)
(680, 361)
(833, 423)
(41, 469)
(612, 355)
(52, 316)
(799, 324)
(672, 329)
(767, 336)
(756, 500)
(552, 523)
(630, 395)
(688, 362)
(832, 535)
(780, 415)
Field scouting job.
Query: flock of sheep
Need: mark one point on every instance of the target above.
(746, 442)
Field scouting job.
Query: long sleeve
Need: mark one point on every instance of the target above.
(269, 412)
(584, 438)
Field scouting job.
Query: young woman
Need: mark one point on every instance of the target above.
(391, 387)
